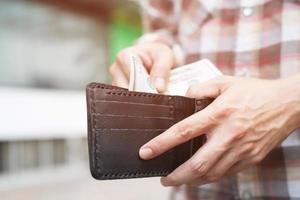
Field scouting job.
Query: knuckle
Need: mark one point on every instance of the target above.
(240, 129)
(257, 158)
(247, 148)
(213, 177)
(165, 48)
(254, 152)
(222, 148)
(213, 120)
(184, 131)
(199, 168)
(123, 54)
(225, 110)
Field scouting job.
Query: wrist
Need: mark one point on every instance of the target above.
(291, 88)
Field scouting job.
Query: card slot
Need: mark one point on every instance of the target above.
(133, 103)
(137, 109)
(116, 153)
(154, 132)
(129, 129)
(130, 123)
(131, 116)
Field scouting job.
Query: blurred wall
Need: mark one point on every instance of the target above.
(49, 51)
(58, 45)
(47, 46)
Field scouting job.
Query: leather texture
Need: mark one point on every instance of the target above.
(121, 121)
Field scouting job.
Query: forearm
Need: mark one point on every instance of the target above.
(297, 91)
(291, 92)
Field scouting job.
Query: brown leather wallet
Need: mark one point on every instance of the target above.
(121, 121)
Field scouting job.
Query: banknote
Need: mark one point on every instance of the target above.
(181, 78)
(139, 79)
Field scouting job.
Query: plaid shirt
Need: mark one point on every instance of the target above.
(253, 38)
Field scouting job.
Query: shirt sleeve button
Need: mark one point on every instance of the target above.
(247, 12)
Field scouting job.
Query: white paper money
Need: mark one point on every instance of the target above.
(139, 79)
(181, 78)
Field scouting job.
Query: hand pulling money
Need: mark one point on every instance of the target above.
(181, 78)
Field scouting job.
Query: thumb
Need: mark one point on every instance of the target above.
(209, 89)
(163, 62)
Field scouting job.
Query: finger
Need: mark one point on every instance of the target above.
(181, 132)
(212, 88)
(221, 167)
(211, 162)
(118, 77)
(124, 61)
(163, 61)
(197, 166)
(239, 166)
(146, 60)
(228, 161)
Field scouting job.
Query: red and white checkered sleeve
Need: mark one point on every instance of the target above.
(159, 24)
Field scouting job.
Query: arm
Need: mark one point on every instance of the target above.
(248, 118)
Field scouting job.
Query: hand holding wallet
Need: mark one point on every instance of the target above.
(121, 121)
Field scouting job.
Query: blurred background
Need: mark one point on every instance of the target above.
(49, 51)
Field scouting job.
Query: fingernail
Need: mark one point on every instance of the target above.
(160, 83)
(145, 153)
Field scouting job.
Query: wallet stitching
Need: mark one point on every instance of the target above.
(92, 107)
(134, 94)
(123, 92)
(98, 149)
